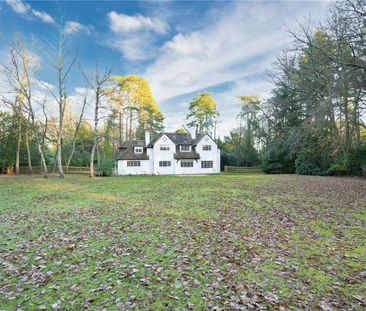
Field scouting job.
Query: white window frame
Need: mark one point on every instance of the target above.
(165, 163)
(141, 149)
(164, 148)
(182, 150)
(206, 164)
(186, 163)
(133, 163)
(206, 148)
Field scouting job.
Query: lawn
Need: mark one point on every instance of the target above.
(224, 242)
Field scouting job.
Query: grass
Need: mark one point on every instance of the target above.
(165, 242)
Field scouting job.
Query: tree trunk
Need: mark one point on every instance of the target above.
(43, 161)
(17, 153)
(130, 130)
(39, 145)
(120, 128)
(75, 135)
(92, 161)
(347, 127)
(28, 150)
(95, 134)
(126, 132)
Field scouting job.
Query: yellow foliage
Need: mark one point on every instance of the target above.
(246, 99)
(134, 92)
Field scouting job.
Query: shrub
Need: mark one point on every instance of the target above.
(341, 166)
(273, 168)
(105, 168)
(358, 160)
(306, 168)
(337, 169)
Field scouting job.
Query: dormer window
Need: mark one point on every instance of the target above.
(185, 148)
(139, 149)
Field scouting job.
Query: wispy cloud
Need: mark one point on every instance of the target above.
(122, 24)
(135, 36)
(73, 27)
(43, 16)
(18, 6)
(236, 45)
(25, 9)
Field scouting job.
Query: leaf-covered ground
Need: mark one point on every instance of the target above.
(224, 242)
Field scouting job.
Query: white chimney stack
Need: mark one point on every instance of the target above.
(193, 134)
(147, 138)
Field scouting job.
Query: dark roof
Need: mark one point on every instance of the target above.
(129, 143)
(200, 136)
(176, 138)
(186, 155)
(127, 151)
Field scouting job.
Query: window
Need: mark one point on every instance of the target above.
(164, 163)
(185, 148)
(133, 163)
(186, 164)
(206, 147)
(139, 149)
(206, 164)
(164, 148)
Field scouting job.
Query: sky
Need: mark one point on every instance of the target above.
(181, 48)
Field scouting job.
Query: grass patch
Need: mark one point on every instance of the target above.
(165, 242)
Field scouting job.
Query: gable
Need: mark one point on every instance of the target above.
(164, 140)
(205, 140)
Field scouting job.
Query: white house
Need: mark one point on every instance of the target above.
(169, 154)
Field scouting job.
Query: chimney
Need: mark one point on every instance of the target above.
(147, 138)
(193, 134)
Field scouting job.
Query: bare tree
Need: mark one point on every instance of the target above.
(98, 85)
(63, 70)
(26, 138)
(13, 72)
(17, 74)
(76, 132)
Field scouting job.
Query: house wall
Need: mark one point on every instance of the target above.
(212, 155)
(123, 169)
(188, 170)
(151, 166)
(160, 155)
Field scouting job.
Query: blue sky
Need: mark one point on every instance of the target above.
(180, 47)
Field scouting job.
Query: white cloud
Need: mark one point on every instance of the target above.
(73, 27)
(18, 6)
(135, 36)
(43, 16)
(188, 45)
(121, 24)
(25, 9)
(235, 46)
(138, 47)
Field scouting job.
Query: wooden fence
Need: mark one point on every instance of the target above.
(67, 170)
(243, 169)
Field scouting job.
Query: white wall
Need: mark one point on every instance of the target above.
(212, 155)
(123, 169)
(151, 166)
(160, 155)
(188, 170)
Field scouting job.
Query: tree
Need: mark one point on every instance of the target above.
(76, 131)
(181, 130)
(18, 77)
(314, 114)
(98, 84)
(63, 69)
(134, 98)
(202, 113)
(8, 138)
